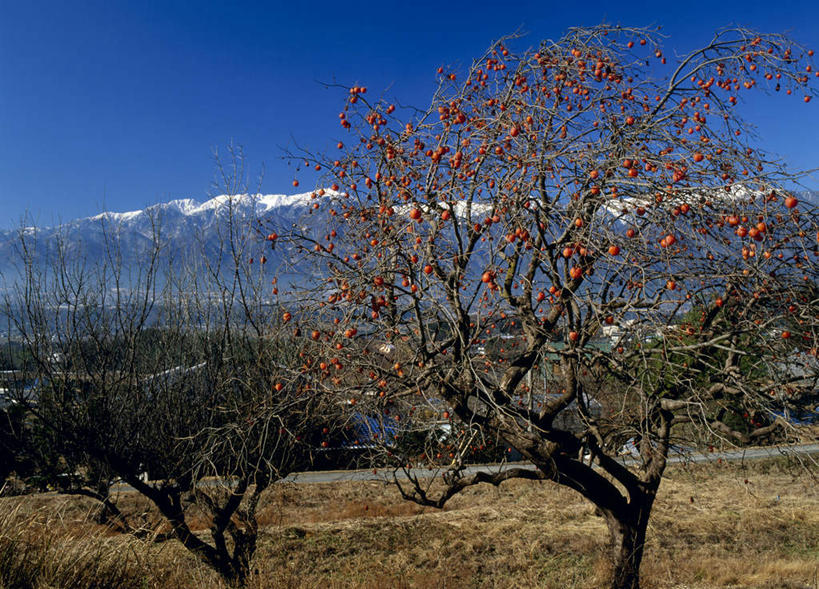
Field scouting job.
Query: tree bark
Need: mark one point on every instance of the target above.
(628, 534)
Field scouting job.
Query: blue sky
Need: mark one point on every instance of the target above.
(118, 105)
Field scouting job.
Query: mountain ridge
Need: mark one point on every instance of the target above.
(187, 207)
(184, 227)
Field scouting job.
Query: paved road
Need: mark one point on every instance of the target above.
(385, 474)
(693, 456)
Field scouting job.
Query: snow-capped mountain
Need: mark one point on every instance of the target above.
(185, 227)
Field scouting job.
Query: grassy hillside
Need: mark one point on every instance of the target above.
(719, 525)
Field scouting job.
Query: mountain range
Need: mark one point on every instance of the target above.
(184, 227)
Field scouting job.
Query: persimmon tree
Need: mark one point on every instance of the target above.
(602, 211)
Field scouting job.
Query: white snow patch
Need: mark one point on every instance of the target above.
(115, 217)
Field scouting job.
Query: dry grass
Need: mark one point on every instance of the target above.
(710, 529)
(48, 541)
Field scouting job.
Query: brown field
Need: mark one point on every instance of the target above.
(720, 525)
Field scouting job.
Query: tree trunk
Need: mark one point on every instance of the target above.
(235, 569)
(628, 535)
(243, 553)
(234, 573)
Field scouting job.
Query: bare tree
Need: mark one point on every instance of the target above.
(174, 374)
(574, 245)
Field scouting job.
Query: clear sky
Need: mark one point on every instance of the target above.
(120, 104)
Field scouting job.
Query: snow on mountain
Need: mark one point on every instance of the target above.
(188, 227)
(258, 204)
(184, 226)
